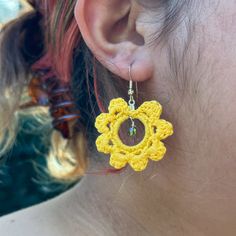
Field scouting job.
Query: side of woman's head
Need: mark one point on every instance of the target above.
(182, 54)
(48, 38)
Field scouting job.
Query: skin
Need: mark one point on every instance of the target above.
(192, 190)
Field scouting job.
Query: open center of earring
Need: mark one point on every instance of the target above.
(131, 132)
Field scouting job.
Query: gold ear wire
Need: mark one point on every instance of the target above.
(131, 91)
(131, 83)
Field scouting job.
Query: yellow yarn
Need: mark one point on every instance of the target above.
(156, 129)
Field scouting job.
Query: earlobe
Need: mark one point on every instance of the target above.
(109, 30)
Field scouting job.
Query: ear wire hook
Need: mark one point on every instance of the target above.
(132, 129)
(131, 82)
(131, 91)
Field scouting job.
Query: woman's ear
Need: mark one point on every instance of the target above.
(112, 31)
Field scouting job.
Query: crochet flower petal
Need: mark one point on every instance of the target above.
(104, 143)
(117, 105)
(102, 123)
(151, 109)
(164, 129)
(138, 164)
(157, 152)
(118, 161)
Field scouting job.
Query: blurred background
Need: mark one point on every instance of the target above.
(23, 181)
(10, 9)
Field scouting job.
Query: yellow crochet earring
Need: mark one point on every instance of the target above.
(156, 129)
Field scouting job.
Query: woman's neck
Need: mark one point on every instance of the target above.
(125, 204)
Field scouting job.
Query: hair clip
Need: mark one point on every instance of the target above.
(47, 90)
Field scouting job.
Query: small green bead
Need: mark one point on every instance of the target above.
(132, 131)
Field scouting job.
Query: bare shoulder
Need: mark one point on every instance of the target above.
(47, 219)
